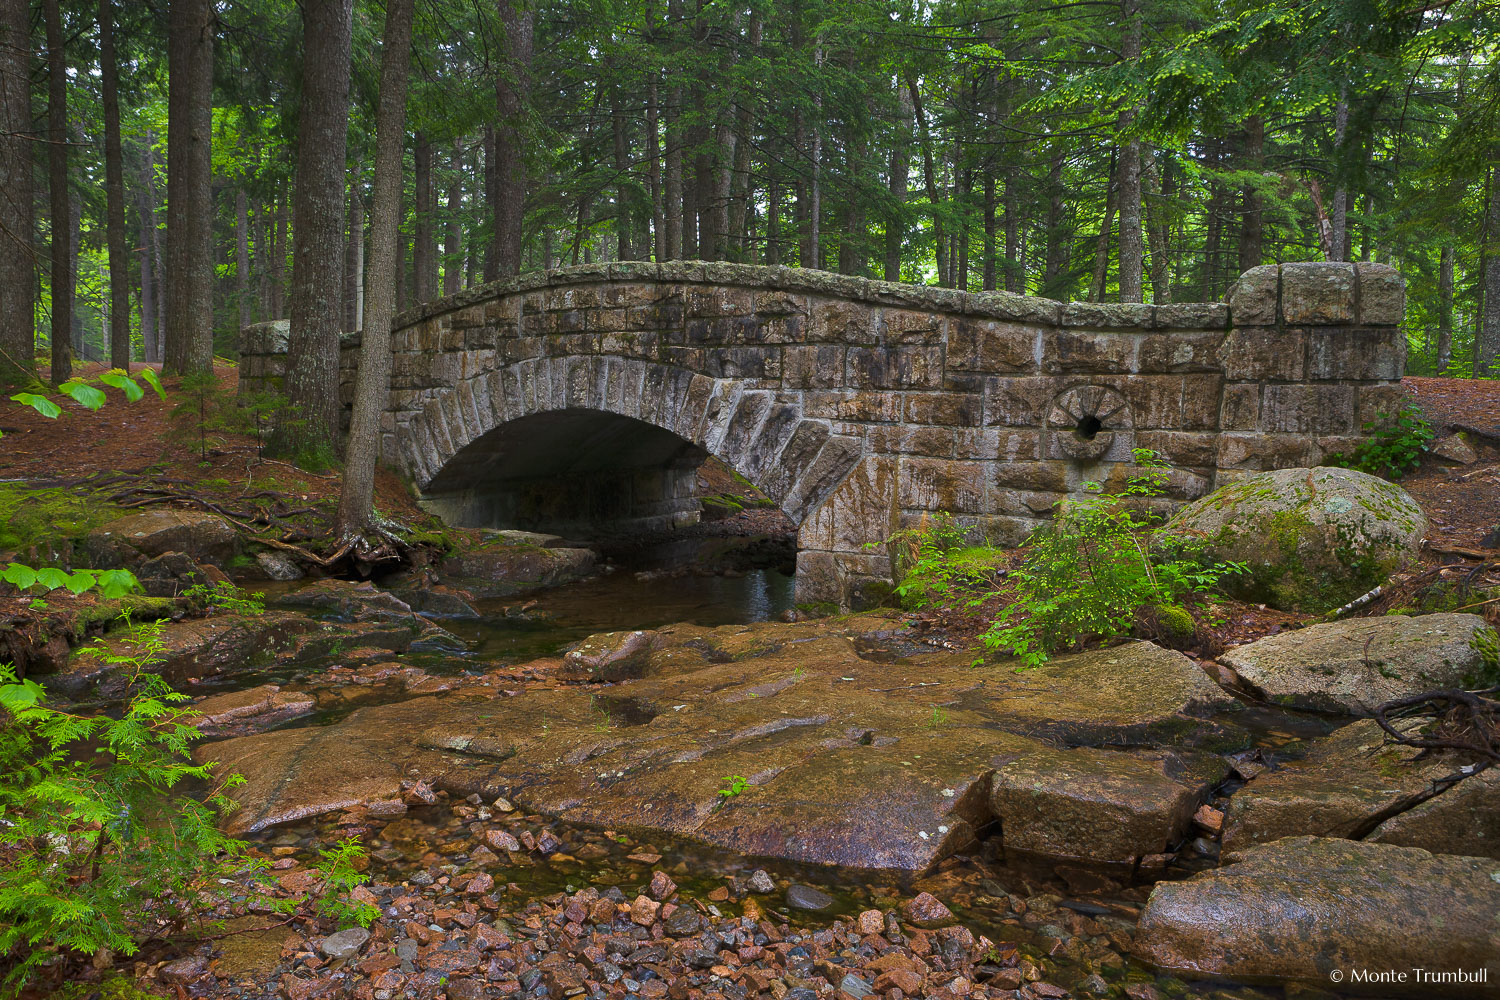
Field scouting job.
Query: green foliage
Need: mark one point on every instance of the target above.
(100, 844)
(1088, 572)
(203, 409)
(110, 583)
(734, 784)
(1486, 643)
(1394, 447)
(936, 564)
(340, 871)
(225, 596)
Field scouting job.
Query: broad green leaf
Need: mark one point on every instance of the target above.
(119, 380)
(22, 694)
(19, 576)
(150, 377)
(83, 393)
(52, 578)
(39, 403)
(80, 580)
(116, 583)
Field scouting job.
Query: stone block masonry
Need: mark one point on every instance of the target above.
(859, 406)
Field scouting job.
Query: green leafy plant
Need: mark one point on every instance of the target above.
(1088, 572)
(734, 784)
(202, 410)
(340, 871)
(939, 717)
(98, 846)
(1394, 446)
(85, 394)
(225, 596)
(937, 565)
(110, 583)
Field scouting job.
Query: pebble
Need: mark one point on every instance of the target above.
(926, 910)
(855, 987)
(761, 882)
(345, 943)
(805, 897)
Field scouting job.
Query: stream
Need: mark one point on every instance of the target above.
(1070, 920)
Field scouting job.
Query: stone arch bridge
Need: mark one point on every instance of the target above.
(588, 396)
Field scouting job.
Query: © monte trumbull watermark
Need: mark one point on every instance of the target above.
(1411, 976)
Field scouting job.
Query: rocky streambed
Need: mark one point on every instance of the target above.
(839, 807)
(1117, 823)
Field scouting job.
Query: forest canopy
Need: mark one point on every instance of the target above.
(1131, 150)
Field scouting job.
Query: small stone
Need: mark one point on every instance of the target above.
(407, 949)
(185, 970)
(855, 987)
(662, 886)
(504, 804)
(1209, 818)
(501, 840)
(643, 911)
(926, 910)
(905, 980)
(683, 922)
(805, 897)
(480, 884)
(870, 922)
(1455, 448)
(761, 882)
(346, 943)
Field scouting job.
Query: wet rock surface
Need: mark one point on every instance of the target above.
(844, 759)
(146, 534)
(1351, 667)
(1356, 783)
(1303, 908)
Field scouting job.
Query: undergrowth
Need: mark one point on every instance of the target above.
(1394, 447)
(1093, 572)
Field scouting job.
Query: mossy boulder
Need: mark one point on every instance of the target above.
(1313, 539)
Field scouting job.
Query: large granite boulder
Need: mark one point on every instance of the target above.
(1313, 539)
(1359, 784)
(1325, 912)
(147, 534)
(1350, 667)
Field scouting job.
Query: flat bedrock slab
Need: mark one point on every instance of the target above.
(849, 758)
(1301, 909)
(1351, 667)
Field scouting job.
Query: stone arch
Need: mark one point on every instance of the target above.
(466, 431)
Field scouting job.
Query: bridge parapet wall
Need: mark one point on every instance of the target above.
(860, 405)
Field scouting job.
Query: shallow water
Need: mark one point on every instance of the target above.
(981, 887)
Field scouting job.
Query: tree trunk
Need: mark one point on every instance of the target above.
(453, 267)
(773, 222)
(1015, 275)
(61, 214)
(491, 197)
(242, 255)
(17, 273)
(895, 227)
(511, 100)
(1056, 266)
(653, 169)
(312, 363)
(1487, 341)
(929, 177)
(624, 222)
(1212, 225)
(1340, 211)
(1157, 230)
(114, 195)
(1252, 215)
(153, 320)
(424, 250)
(1101, 251)
(354, 254)
(1445, 310)
(189, 344)
(989, 230)
(676, 210)
(1129, 197)
(373, 380)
